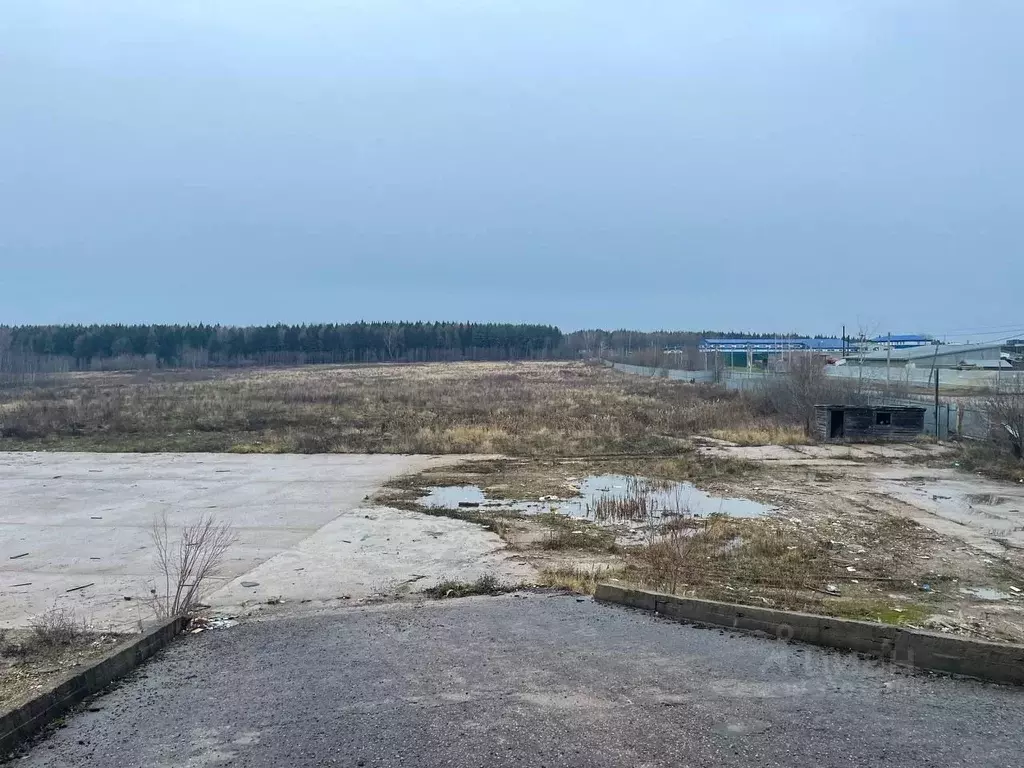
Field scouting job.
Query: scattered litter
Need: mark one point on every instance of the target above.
(274, 601)
(127, 598)
(95, 517)
(832, 589)
(202, 623)
(898, 610)
(854, 581)
(83, 586)
(1015, 589)
(468, 504)
(15, 557)
(23, 584)
(57, 477)
(300, 569)
(851, 569)
(796, 521)
(248, 584)
(95, 558)
(345, 541)
(926, 587)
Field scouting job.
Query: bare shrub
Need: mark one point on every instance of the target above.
(56, 628)
(792, 397)
(187, 563)
(1005, 413)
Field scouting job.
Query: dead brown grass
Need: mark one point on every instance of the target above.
(762, 434)
(530, 409)
(52, 644)
(734, 554)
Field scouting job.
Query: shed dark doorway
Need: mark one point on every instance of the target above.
(836, 423)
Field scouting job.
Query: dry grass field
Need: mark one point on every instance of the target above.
(522, 409)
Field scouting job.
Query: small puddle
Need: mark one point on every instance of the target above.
(608, 499)
(986, 593)
(451, 496)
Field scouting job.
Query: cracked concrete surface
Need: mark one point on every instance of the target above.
(305, 530)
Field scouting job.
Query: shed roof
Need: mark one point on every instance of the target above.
(887, 408)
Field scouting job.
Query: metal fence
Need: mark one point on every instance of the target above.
(955, 419)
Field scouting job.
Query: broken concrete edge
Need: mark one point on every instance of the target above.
(915, 648)
(30, 716)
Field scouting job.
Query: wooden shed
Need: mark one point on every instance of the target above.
(868, 422)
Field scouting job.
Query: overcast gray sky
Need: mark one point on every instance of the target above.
(675, 164)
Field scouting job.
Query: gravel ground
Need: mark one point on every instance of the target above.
(535, 680)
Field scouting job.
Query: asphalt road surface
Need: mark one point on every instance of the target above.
(541, 680)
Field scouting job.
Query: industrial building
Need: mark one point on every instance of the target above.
(903, 340)
(984, 356)
(740, 352)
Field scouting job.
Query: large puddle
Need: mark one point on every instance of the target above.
(607, 499)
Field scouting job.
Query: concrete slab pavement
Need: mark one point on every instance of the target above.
(86, 518)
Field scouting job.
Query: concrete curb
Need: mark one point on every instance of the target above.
(28, 717)
(908, 647)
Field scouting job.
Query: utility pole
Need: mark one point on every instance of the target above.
(888, 359)
(936, 402)
(844, 340)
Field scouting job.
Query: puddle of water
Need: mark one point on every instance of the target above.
(450, 496)
(986, 593)
(609, 499)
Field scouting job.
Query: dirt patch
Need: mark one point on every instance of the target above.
(29, 662)
(920, 534)
(839, 539)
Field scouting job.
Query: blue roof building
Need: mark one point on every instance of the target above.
(903, 340)
(771, 345)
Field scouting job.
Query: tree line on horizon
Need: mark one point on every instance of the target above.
(114, 346)
(70, 347)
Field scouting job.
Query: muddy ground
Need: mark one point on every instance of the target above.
(893, 533)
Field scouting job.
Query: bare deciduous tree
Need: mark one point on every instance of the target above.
(1006, 415)
(805, 384)
(188, 562)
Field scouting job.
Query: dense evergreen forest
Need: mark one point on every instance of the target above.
(31, 349)
(102, 347)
